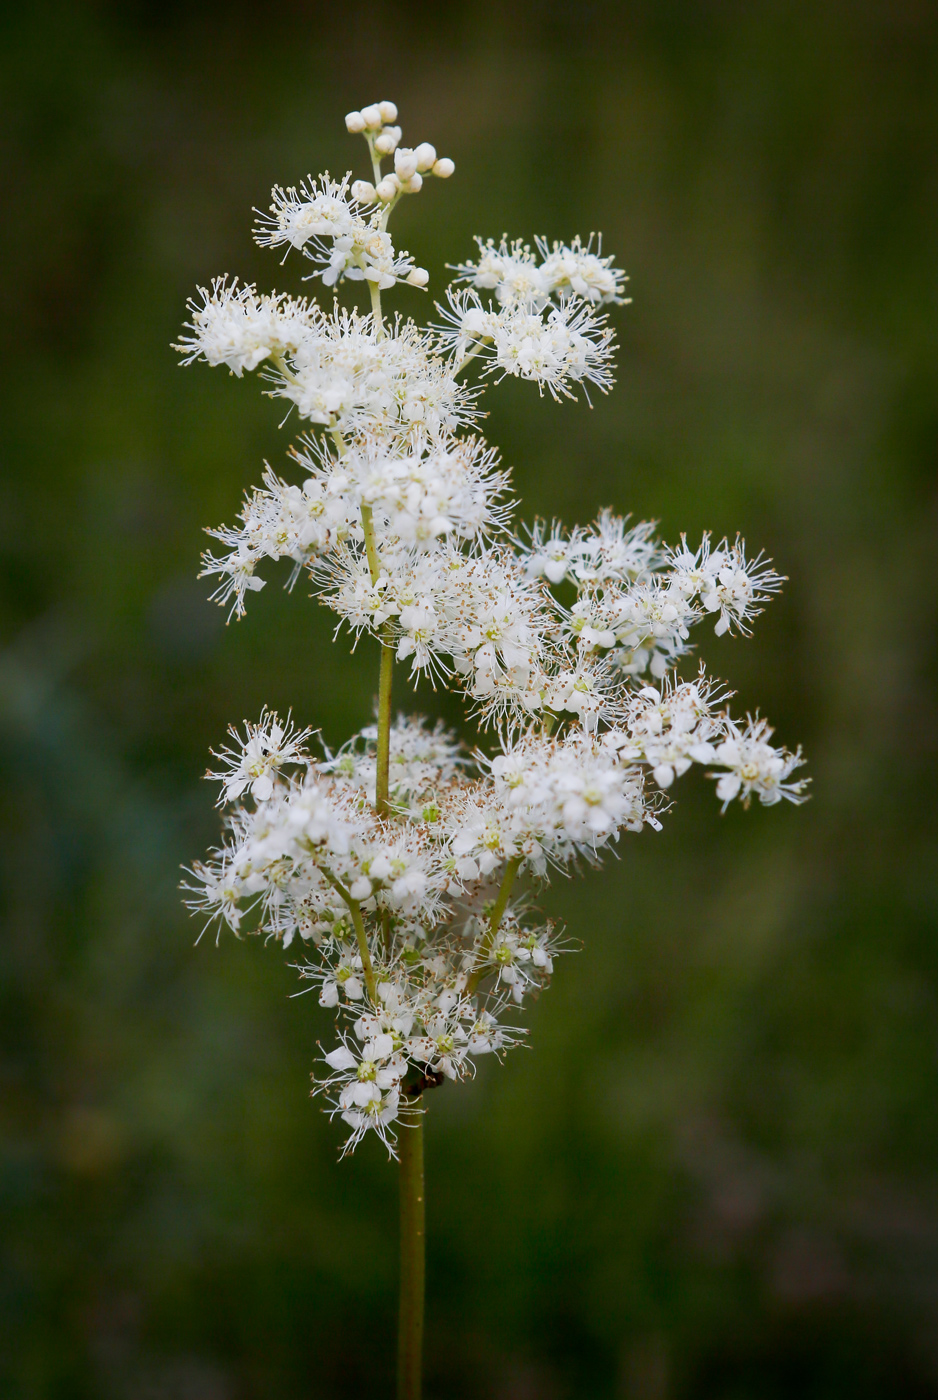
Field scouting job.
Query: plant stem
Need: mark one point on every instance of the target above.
(465, 361)
(413, 1258)
(284, 369)
(375, 291)
(375, 158)
(355, 910)
(371, 547)
(495, 918)
(385, 675)
(385, 679)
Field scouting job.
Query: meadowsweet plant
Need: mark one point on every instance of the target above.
(392, 868)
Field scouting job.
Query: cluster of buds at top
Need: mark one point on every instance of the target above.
(376, 124)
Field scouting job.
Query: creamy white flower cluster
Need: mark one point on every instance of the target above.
(338, 371)
(416, 493)
(522, 276)
(544, 326)
(491, 614)
(393, 862)
(409, 895)
(556, 346)
(324, 221)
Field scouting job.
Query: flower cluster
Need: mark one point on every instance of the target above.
(395, 863)
(522, 276)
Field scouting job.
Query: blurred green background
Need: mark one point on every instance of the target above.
(715, 1173)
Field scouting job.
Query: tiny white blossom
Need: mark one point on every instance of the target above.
(754, 766)
(263, 751)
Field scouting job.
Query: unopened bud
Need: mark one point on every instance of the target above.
(386, 189)
(363, 191)
(384, 144)
(414, 185)
(388, 111)
(405, 163)
(355, 122)
(444, 168)
(372, 117)
(426, 156)
(419, 277)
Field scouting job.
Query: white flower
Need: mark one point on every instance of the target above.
(319, 209)
(237, 327)
(755, 766)
(575, 270)
(263, 751)
(377, 1114)
(552, 554)
(556, 346)
(522, 276)
(725, 581)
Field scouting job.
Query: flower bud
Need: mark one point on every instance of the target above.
(384, 144)
(388, 111)
(405, 163)
(372, 117)
(444, 168)
(355, 122)
(387, 189)
(363, 191)
(426, 156)
(413, 185)
(419, 277)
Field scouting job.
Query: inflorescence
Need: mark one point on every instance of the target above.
(564, 642)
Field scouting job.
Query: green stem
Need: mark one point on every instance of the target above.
(371, 546)
(385, 676)
(413, 1258)
(375, 158)
(375, 291)
(385, 680)
(355, 910)
(388, 210)
(495, 918)
(465, 361)
(284, 369)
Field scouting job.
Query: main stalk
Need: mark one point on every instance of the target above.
(410, 1137)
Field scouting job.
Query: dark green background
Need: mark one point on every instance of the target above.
(714, 1172)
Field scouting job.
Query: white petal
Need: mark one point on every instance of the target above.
(728, 786)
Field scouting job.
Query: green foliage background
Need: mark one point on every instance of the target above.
(714, 1172)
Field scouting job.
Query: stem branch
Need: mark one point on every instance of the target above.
(355, 910)
(470, 355)
(385, 679)
(375, 291)
(371, 548)
(385, 676)
(495, 918)
(284, 368)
